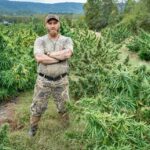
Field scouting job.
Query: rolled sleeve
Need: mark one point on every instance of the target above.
(38, 46)
(69, 44)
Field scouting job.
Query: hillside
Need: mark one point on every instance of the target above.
(39, 8)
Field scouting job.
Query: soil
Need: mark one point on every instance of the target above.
(7, 114)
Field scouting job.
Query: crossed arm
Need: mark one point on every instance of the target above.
(53, 57)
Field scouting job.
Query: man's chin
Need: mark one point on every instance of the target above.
(53, 33)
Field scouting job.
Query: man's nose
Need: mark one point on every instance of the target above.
(53, 25)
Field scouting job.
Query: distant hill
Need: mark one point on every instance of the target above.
(14, 7)
(28, 8)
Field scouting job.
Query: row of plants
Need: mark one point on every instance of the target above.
(17, 66)
(113, 106)
(116, 34)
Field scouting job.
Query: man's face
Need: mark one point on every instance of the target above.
(53, 27)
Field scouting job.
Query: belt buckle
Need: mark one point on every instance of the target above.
(44, 75)
(61, 76)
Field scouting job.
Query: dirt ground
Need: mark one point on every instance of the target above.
(7, 114)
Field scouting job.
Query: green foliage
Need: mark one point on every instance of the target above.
(145, 55)
(17, 66)
(129, 6)
(113, 97)
(4, 139)
(94, 53)
(133, 45)
(112, 129)
(141, 44)
(99, 13)
(137, 15)
(118, 114)
(116, 34)
(79, 22)
(64, 28)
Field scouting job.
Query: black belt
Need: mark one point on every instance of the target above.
(53, 78)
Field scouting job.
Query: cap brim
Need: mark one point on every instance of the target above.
(52, 19)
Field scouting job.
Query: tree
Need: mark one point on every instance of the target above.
(129, 6)
(137, 14)
(98, 12)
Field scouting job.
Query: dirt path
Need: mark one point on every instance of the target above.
(133, 57)
(7, 114)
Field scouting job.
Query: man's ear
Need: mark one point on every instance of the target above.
(59, 27)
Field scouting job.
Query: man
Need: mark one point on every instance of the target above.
(51, 52)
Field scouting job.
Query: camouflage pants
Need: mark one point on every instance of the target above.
(44, 89)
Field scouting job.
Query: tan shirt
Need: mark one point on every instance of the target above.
(43, 45)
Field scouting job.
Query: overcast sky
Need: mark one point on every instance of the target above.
(50, 1)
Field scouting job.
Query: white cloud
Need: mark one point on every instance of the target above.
(50, 1)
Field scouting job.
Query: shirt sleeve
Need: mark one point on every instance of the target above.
(69, 44)
(38, 46)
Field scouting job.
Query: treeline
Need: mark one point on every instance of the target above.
(132, 14)
(38, 18)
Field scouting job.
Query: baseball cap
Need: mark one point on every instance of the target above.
(51, 16)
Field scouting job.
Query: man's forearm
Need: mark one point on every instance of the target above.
(44, 59)
(47, 62)
(61, 55)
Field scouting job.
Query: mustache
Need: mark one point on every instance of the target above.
(53, 29)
